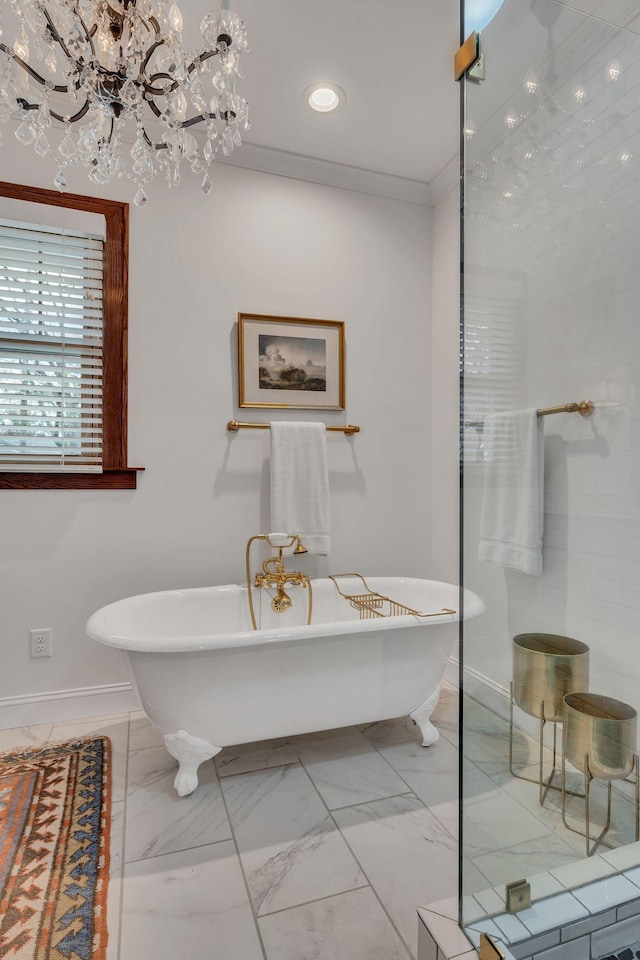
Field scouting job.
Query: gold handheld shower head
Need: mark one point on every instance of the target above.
(300, 548)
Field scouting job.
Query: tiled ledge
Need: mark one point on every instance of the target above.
(570, 919)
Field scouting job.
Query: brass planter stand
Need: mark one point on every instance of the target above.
(546, 667)
(599, 739)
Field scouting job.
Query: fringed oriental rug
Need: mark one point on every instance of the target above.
(55, 816)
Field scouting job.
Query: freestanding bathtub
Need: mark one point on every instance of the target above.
(206, 680)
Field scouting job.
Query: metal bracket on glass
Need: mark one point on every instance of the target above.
(517, 896)
(468, 57)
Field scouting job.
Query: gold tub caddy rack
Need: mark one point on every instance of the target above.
(371, 604)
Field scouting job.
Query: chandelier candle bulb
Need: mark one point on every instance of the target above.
(175, 18)
(103, 64)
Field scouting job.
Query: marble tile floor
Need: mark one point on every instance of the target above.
(316, 847)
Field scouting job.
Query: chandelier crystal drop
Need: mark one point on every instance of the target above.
(114, 71)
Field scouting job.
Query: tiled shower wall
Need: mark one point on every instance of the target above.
(553, 230)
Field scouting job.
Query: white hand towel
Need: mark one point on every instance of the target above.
(512, 504)
(300, 483)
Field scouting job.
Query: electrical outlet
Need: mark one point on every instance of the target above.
(40, 642)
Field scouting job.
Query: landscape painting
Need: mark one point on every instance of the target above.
(290, 362)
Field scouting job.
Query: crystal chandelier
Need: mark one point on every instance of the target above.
(102, 64)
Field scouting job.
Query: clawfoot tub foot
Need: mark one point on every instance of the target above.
(422, 716)
(190, 752)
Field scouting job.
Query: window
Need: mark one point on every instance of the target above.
(491, 365)
(63, 348)
(50, 348)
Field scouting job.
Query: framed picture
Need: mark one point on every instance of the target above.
(289, 362)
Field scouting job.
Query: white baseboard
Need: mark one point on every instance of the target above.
(452, 672)
(494, 696)
(54, 706)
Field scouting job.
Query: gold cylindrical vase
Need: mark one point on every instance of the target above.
(602, 729)
(547, 667)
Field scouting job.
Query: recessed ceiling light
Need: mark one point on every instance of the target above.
(324, 97)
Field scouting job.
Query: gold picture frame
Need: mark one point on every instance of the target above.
(290, 362)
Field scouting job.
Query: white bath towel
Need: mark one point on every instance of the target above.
(300, 482)
(512, 504)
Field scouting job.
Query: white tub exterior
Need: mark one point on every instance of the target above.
(207, 680)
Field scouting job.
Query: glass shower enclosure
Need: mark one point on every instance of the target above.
(550, 450)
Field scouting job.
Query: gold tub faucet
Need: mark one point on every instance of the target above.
(274, 573)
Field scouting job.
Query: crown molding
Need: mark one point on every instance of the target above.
(282, 163)
(252, 156)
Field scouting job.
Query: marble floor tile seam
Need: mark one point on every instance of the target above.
(452, 736)
(244, 876)
(410, 789)
(314, 769)
(192, 846)
(364, 803)
(149, 746)
(390, 919)
(443, 823)
(364, 872)
(306, 903)
(25, 736)
(123, 847)
(272, 766)
(480, 871)
(532, 811)
(369, 924)
(379, 898)
(401, 775)
(98, 721)
(510, 846)
(117, 934)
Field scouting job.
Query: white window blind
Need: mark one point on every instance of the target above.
(491, 384)
(50, 348)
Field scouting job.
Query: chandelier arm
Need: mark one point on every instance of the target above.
(202, 116)
(154, 46)
(153, 107)
(157, 91)
(56, 36)
(152, 49)
(206, 55)
(184, 124)
(32, 73)
(56, 116)
(151, 143)
(89, 34)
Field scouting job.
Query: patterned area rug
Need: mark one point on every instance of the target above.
(55, 816)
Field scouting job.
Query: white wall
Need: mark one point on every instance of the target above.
(444, 387)
(258, 243)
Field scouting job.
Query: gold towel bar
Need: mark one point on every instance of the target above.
(234, 425)
(585, 408)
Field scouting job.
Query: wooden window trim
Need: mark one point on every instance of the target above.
(116, 473)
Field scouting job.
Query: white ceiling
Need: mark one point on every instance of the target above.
(393, 59)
